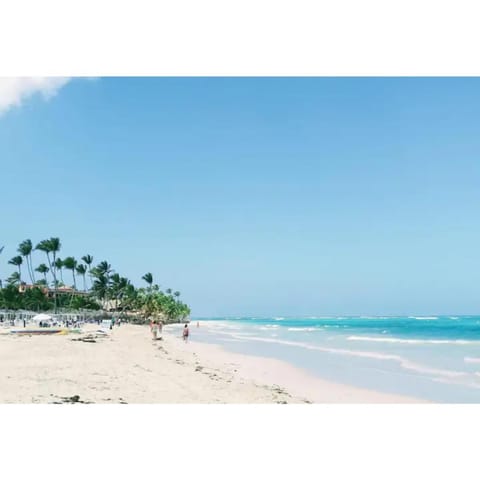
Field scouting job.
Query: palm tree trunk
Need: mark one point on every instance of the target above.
(32, 275)
(54, 280)
(31, 267)
(84, 283)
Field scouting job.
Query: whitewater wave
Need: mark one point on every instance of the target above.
(303, 329)
(403, 362)
(471, 359)
(462, 382)
(424, 318)
(216, 325)
(411, 340)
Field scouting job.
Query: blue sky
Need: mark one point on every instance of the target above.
(266, 196)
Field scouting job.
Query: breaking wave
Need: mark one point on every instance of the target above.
(303, 329)
(403, 362)
(411, 340)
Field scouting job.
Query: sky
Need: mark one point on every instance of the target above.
(254, 196)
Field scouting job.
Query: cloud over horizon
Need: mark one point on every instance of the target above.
(16, 90)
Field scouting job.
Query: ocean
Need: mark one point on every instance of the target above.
(434, 358)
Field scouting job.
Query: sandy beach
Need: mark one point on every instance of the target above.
(127, 366)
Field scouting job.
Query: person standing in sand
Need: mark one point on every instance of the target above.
(185, 333)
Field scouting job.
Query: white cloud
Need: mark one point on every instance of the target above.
(15, 90)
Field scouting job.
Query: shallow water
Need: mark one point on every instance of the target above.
(434, 358)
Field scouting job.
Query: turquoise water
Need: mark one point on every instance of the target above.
(435, 358)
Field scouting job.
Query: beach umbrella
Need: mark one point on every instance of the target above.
(41, 317)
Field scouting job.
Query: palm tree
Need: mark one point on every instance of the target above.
(88, 259)
(148, 277)
(42, 268)
(14, 279)
(118, 287)
(59, 266)
(82, 270)
(129, 297)
(168, 291)
(17, 261)
(45, 247)
(71, 264)
(104, 268)
(176, 294)
(25, 249)
(52, 245)
(100, 287)
(102, 282)
(55, 247)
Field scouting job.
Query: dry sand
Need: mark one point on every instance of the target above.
(127, 366)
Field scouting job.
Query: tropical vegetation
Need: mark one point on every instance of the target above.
(103, 287)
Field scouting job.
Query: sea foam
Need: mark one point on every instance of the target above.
(410, 340)
(471, 360)
(303, 329)
(403, 362)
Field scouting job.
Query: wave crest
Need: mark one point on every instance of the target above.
(410, 340)
(303, 329)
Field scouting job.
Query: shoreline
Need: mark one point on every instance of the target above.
(301, 385)
(127, 366)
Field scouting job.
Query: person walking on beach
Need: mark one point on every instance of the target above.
(154, 328)
(185, 333)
